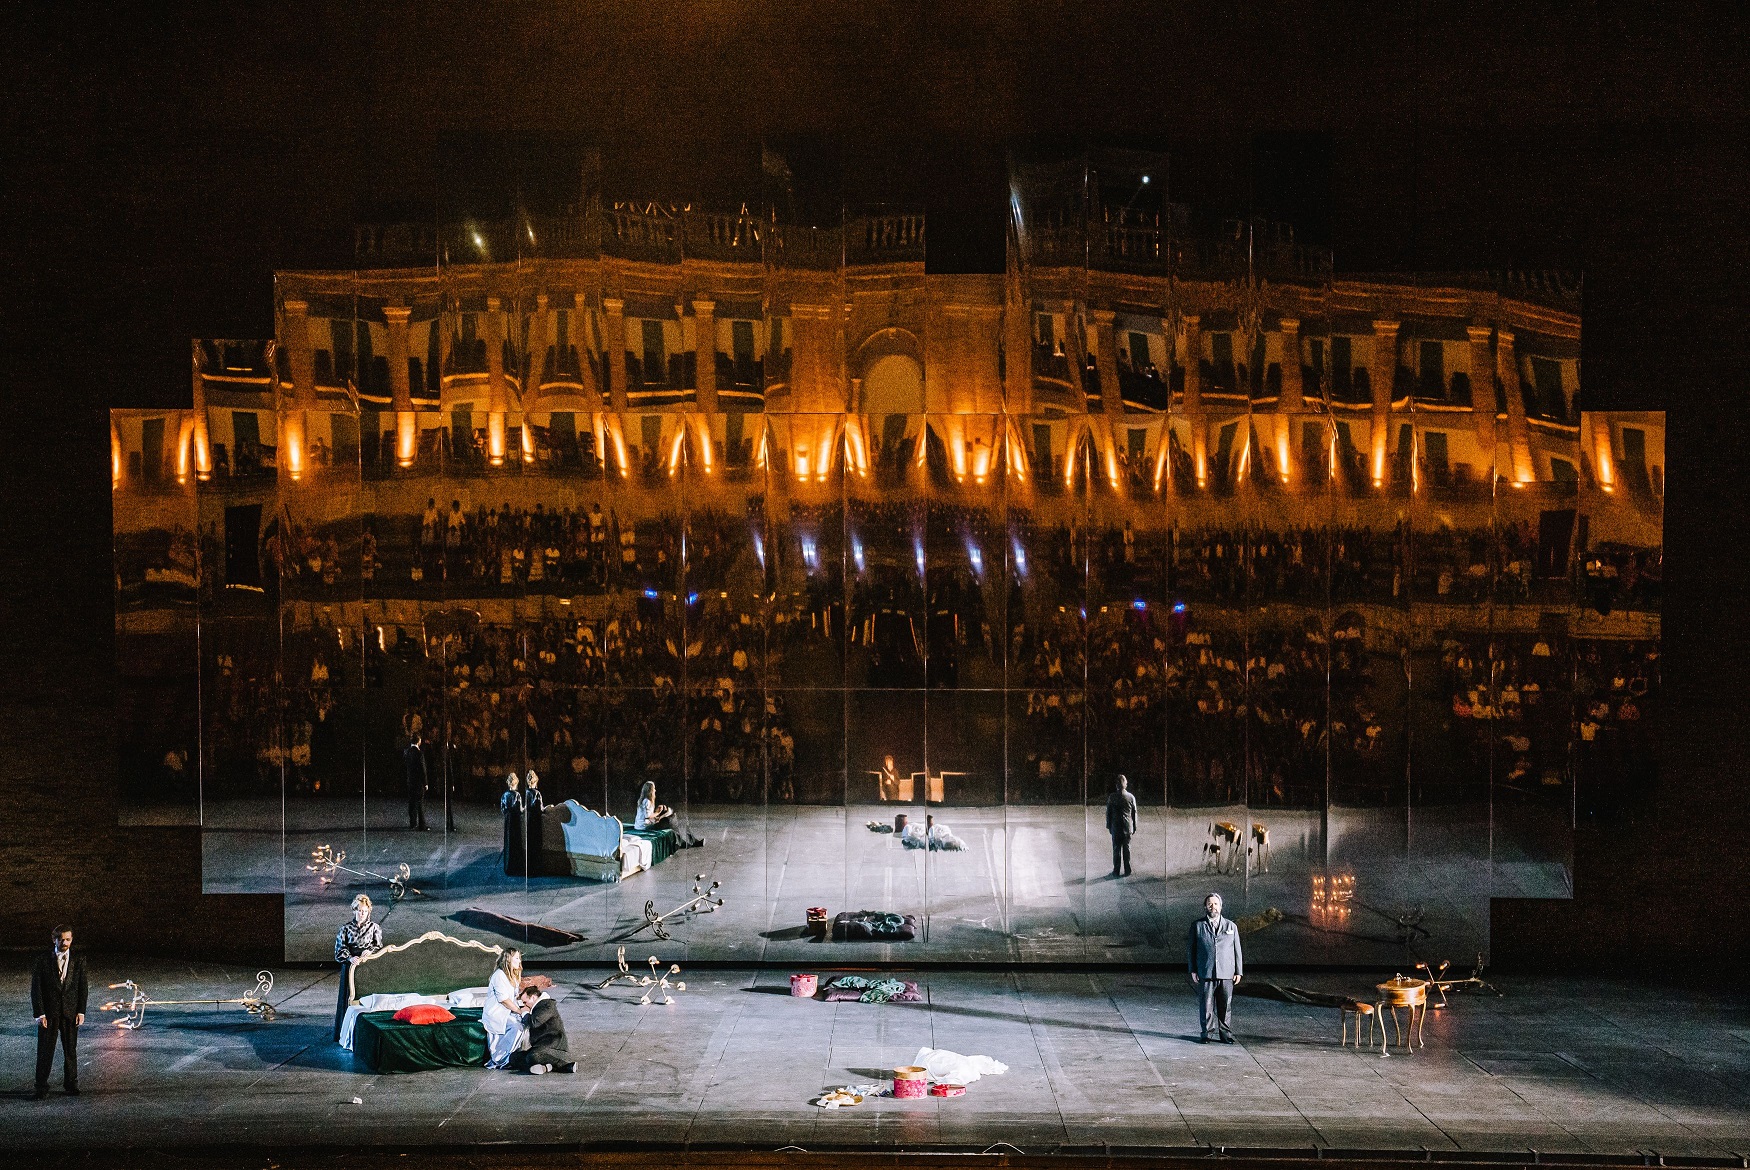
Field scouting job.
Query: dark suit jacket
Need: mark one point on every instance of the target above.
(1121, 815)
(52, 996)
(1213, 951)
(413, 763)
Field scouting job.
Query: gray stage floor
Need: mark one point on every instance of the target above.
(1031, 886)
(1604, 1067)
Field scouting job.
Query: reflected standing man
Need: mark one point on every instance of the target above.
(889, 779)
(1216, 964)
(1121, 824)
(413, 765)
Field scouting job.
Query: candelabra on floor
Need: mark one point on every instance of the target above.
(702, 902)
(133, 1006)
(326, 861)
(657, 980)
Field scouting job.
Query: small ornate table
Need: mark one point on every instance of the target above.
(1412, 995)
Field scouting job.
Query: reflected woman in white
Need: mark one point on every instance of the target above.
(651, 815)
(506, 1026)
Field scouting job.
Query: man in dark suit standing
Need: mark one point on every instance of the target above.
(1121, 824)
(413, 764)
(1213, 954)
(57, 1000)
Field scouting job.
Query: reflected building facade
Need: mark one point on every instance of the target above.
(1336, 569)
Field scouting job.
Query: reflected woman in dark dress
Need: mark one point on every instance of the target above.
(515, 837)
(533, 806)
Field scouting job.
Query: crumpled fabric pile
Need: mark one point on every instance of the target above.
(938, 837)
(872, 990)
(942, 1065)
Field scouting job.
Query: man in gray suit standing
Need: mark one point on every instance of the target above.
(1213, 953)
(1121, 824)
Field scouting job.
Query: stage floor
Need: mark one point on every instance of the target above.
(1031, 886)
(1582, 1066)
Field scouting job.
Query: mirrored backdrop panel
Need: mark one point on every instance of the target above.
(752, 575)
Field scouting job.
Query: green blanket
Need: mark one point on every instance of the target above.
(662, 842)
(386, 1046)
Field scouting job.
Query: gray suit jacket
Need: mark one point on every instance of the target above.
(1121, 815)
(1213, 949)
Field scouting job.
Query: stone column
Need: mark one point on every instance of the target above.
(614, 342)
(302, 359)
(1017, 355)
(982, 332)
(580, 339)
(1292, 400)
(1193, 400)
(1518, 429)
(293, 453)
(1383, 373)
(535, 369)
(1482, 394)
(203, 454)
(1293, 386)
(497, 393)
(1106, 361)
(705, 355)
(400, 388)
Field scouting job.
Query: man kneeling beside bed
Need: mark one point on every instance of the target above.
(523, 1027)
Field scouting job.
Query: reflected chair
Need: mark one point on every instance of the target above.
(1261, 845)
(1226, 846)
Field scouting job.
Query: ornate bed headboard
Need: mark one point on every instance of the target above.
(590, 834)
(432, 964)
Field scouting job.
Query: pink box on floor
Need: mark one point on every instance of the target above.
(804, 986)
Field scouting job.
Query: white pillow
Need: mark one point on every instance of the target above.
(468, 997)
(394, 1002)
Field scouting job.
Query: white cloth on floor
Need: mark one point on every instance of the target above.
(941, 1065)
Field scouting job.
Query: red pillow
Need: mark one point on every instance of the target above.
(425, 1013)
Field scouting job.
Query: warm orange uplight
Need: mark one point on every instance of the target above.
(619, 438)
(184, 448)
(823, 462)
(856, 448)
(528, 434)
(674, 451)
(115, 457)
(495, 438)
(203, 453)
(1602, 458)
(406, 437)
(292, 443)
(801, 463)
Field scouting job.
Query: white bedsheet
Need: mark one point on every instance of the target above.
(383, 1003)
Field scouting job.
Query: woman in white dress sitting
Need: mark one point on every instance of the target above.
(506, 1025)
(651, 815)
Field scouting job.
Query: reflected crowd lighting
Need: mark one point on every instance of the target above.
(1342, 567)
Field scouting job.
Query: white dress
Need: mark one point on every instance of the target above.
(505, 1031)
